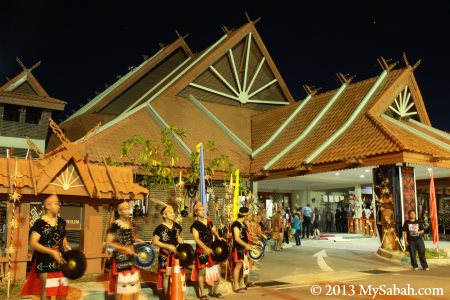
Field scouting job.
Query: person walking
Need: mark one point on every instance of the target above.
(296, 225)
(413, 236)
(316, 223)
(307, 213)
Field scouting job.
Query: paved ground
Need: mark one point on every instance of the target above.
(343, 270)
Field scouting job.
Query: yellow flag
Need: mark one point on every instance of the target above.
(236, 196)
(198, 147)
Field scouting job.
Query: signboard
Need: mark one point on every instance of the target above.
(73, 216)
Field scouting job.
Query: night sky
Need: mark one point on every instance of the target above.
(85, 44)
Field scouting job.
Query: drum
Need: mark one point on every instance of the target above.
(145, 256)
(221, 250)
(75, 265)
(185, 254)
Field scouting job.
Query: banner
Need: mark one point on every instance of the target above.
(408, 190)
(433, 213)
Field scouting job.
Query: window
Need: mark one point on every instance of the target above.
(33, 115)
(11, 113)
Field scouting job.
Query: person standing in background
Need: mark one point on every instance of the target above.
(337, 220)
(296, 225)
(307, 213)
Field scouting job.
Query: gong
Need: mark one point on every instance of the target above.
(145, 256)
(221, 250)
(75, 265)
(256, 253)
(185, 254)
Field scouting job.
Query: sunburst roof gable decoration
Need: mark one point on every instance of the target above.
(242, 75)
(67, 179)
(403, 105)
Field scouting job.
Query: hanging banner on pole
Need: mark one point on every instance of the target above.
(236, 196)
(202, 179)
(433, 213)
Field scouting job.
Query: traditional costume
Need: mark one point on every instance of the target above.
(203, 260)
(239, 252)
(56, 284)
(166, 258)
(123, 276)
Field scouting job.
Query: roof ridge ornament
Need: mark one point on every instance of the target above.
(386, 63)
(34, 147)
(59, 133)
(311, 90)
(181, 36)
(89, 134)
(22, 65)
(345, 78)
(250, 20)
(405, 59)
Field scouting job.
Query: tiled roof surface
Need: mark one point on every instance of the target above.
(237, 119)
(108, 143)
(122, 178)
(334, 119)
(264, 124)
(199, 128)
(413, 142)
(293, 130)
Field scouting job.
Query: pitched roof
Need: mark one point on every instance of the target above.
(368, 136)
(67, 173)
(24, 89)
(347, 126)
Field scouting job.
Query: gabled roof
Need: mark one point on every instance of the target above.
(24, 89)
(357, 124)
(67, 171)
(369, 137)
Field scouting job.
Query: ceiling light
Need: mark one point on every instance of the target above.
(337, 173)
(430, 169)
(362, 175)
(367, 170)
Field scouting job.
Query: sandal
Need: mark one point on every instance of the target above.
(204, 297)
(251, 284)
(241, 290)
(216, 295)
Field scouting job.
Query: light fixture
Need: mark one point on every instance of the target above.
(362, 175)
(367, 170)
(430, 169)
(337, 173)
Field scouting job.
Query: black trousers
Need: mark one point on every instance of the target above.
(297, 237)
(306, 226)
(417, 245)
(338, 226)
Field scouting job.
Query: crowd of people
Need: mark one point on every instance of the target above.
(48, 239)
